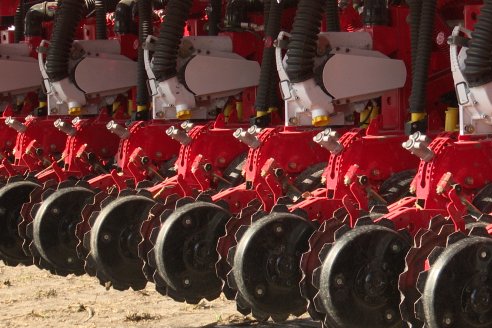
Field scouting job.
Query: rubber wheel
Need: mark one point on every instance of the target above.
(185, 251)
(458, 289)
(114, 240)
(359, 278)
(12, 197)
(266, 264)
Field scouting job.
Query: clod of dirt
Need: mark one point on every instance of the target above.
(137, 317)
(35, 314)
(203, 305)
(7, 283)
(50, 293)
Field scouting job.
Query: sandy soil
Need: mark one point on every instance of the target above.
(30, 297)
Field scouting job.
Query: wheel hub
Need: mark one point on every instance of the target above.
(372, 284)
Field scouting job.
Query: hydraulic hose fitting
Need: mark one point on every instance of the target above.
(118, 129)
(187, 126)
(247, 138)
(15, 124)
(422, 138)
(328, 139)
(254, 130)
(179, 135)
(65, 127)
(419, 149)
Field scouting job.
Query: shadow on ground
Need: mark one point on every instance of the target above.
(299, 323)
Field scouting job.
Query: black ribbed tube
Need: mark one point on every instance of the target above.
(123, 19)
(415, 12)
(478, 62)
(144, 30)
(214, 17)
(66, 23)
(303, 42)
(159, 4)
(19, 22)
(422, 57)
(266, 93)
(332, 17)
(100, 20)
(170, 36)
(375, 12)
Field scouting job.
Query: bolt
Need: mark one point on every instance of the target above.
(207, 167)
(187, 281)
(106, 237)
(278, 229)
(70, 260)
(447, 320)
(221, 160)
(395, 248)
(389, 315)
(293, 166)
(340, 280)
(484, 254)
(187, 222)
(158, 154)
(469, 129)
(260, 291)
(376, 172)
(55, 210)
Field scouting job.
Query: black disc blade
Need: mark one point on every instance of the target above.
(185, 251)
(114, 241)
(54, 229)
(12, 197)
(359, 278)
(458, 290)
(267, 264)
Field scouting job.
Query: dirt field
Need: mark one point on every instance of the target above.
(30, 297)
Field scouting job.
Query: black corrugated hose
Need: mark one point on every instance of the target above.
(170, 36)
(67, 20)
(415, 12)
(123, 17)
(303, 45)
(268, 75)
(422, 57)
(478, 62)
(332, 17)
(375, 12)
(19, 22)
(100, 20)
(214, 17)
(145, 29)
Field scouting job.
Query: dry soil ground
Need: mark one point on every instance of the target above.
(30, 297)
